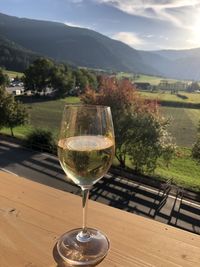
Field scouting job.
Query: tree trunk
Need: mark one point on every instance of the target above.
(11, 130)
(121, 160)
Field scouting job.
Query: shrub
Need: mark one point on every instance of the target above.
(41, 139)
(12, 112)
(196, 146)
(196, 150)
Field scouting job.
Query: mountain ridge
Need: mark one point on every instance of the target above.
(79, 46)
(88, 48)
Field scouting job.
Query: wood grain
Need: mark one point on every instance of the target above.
(33, 216)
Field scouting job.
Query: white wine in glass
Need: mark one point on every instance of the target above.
(85, 150)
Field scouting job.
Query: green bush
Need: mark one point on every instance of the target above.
(42, 140)
(196, 146)
(196, 150)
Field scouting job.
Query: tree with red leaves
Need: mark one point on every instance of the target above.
(140, 131)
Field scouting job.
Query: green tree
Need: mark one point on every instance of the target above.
(194, 86)
(2, 106)
(81, 80)
(12, 112)
(4, 79)
(91, 78)
(38, 76)
(148, 139)
(61, 80)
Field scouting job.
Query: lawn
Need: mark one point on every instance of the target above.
(43, 115)
(13, 74)
(190, 97)
(153, 80)
(183, 170)
(49, 113)
(183, 124)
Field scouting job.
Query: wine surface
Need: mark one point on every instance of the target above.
(85, 159)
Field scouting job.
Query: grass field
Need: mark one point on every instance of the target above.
(153, 80)
(191, 97)
(13, 74)
(183, 170)
(43, 115)
(49, 113)
(183, 124)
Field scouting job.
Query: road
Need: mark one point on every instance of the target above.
(115, 191)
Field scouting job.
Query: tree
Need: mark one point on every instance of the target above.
(4, 79)
(61, 80)
(12, 112)
(38, 76)
(148, 140)
(194, 86)
(81, 80)
(2, 106)
(139, 130)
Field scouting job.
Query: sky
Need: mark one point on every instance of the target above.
(144, 25)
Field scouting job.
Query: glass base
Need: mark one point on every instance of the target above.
(89, 252)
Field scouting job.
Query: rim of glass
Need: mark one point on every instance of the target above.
(86, 105)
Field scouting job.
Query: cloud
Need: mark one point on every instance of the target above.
(72, 24)
(129, 38)
(173, 11)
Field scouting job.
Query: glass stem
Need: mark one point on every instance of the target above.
(84, 235)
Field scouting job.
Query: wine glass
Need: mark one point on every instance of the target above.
(85, 150)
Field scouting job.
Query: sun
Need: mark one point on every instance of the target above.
(196, 32)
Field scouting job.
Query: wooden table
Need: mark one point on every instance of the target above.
(33, 216)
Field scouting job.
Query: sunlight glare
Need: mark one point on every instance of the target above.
(196, 32)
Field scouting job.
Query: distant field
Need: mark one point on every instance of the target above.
(191, 97)
(153, 80)
(13, 74)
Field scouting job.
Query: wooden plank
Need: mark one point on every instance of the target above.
(33, 216)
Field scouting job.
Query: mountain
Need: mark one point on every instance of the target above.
(22, 40)
(78, 46)
(177, 54)
(179, 64)
(14, 56)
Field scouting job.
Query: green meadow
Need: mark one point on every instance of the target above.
(167, 96)
(45, 114)
(153, 80)
(13, 74)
